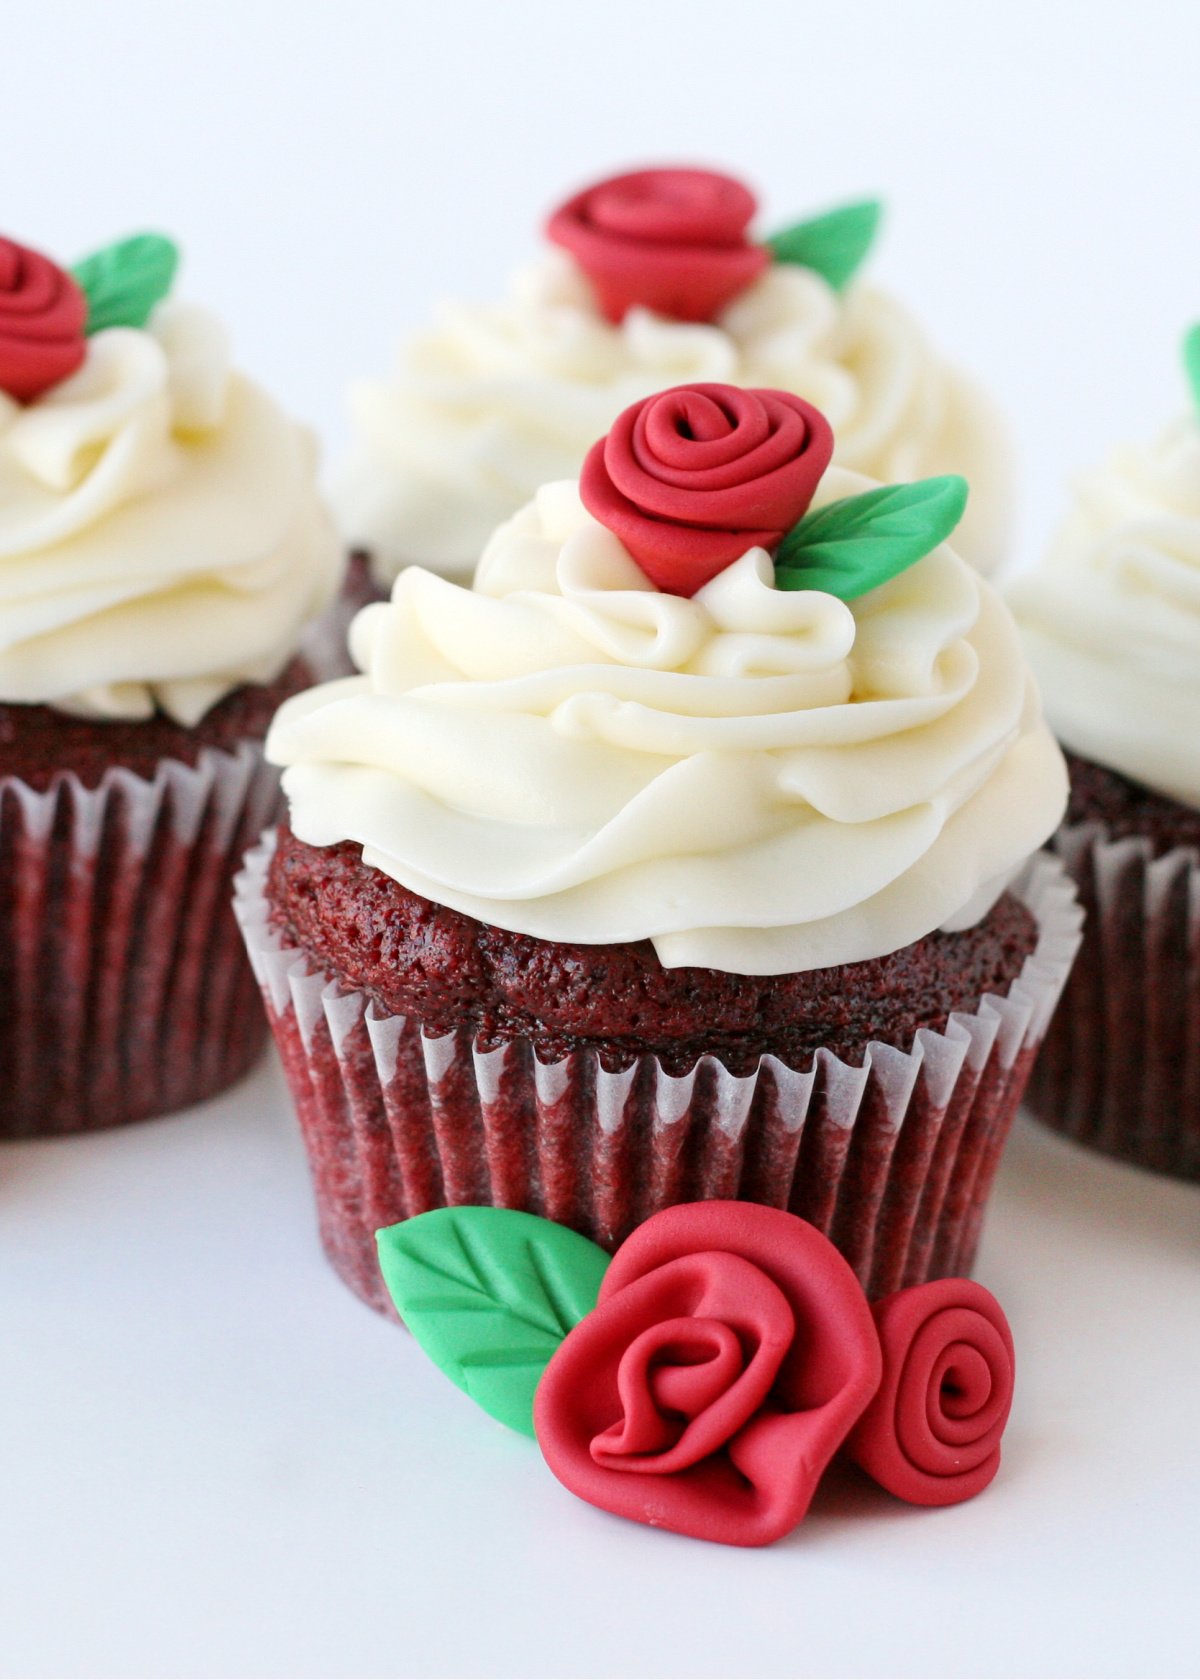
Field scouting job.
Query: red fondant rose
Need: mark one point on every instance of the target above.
(673, 240)
(932, 1433)
(692, 478)
(730, 1352)
(43, 314)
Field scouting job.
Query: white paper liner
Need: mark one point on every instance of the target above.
(1121, 1067)
(124, 986)
(893, 1159)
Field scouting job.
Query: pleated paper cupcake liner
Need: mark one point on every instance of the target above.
(1121, 1067)
(893, 1159)
(124, 986)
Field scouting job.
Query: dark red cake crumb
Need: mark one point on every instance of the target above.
(39, 742)
(1127, 808)
(360, 585)
(418, 958)
(124, 988)
(325, 645)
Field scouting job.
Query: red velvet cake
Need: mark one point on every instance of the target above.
(124, 990)
(1127, 810)
(163, 550)
(669, 861)
(1121, 1066)
(1110, 623)
(39, 743)
(459, 975)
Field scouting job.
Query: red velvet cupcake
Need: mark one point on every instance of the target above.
(162, 550)
(679, 858)
(1112, 627)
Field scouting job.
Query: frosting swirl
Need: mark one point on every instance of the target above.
(492, 402)
(1111, 618)
(758, 781)
(161, 538)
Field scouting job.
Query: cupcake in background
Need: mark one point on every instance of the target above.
(681, 857)
(162, 552)
(1111, 621)
(648, 280)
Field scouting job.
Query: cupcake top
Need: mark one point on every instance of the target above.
(1111, 618)
(161, 537)
(652, 279)
(679, 705)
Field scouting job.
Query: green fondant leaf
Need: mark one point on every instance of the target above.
(123, 282)
(489, 1293)
(848, 547)
(833, 245)
(1191, 360)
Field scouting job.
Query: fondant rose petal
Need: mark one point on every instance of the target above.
(670, 240)
(932, 1433)
(693, 478)
(43, 314)
(729, 1355)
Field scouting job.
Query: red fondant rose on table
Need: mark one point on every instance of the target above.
(703, 1379)
(671, 240)
(932, 1433)
(43, 315)
(730, 1351)
(692, 478)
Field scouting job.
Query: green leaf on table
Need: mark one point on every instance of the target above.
(490, 1293)
(832, 245)
(851, 546)
(124, 281)
(1191, 360)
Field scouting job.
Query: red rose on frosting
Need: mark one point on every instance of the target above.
(672, 240)
(692, 478)
(43, 314)
(932, 1433)
(729, 1354)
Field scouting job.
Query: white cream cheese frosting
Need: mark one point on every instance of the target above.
(161, 536)
(494, 401)
(1111, 618)
(758, 781)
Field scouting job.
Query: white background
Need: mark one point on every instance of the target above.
(212, 1460)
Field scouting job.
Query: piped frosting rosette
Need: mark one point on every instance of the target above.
(161, 536)
(758, 779)
(1111, 618)
(653, 280)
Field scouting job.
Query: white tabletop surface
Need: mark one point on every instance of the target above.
(216, 1462)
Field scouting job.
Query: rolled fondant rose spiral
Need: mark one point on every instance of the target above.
(932, 1433)
(692, 478)
(729, 1354)
(43, 314)
(671, 240)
